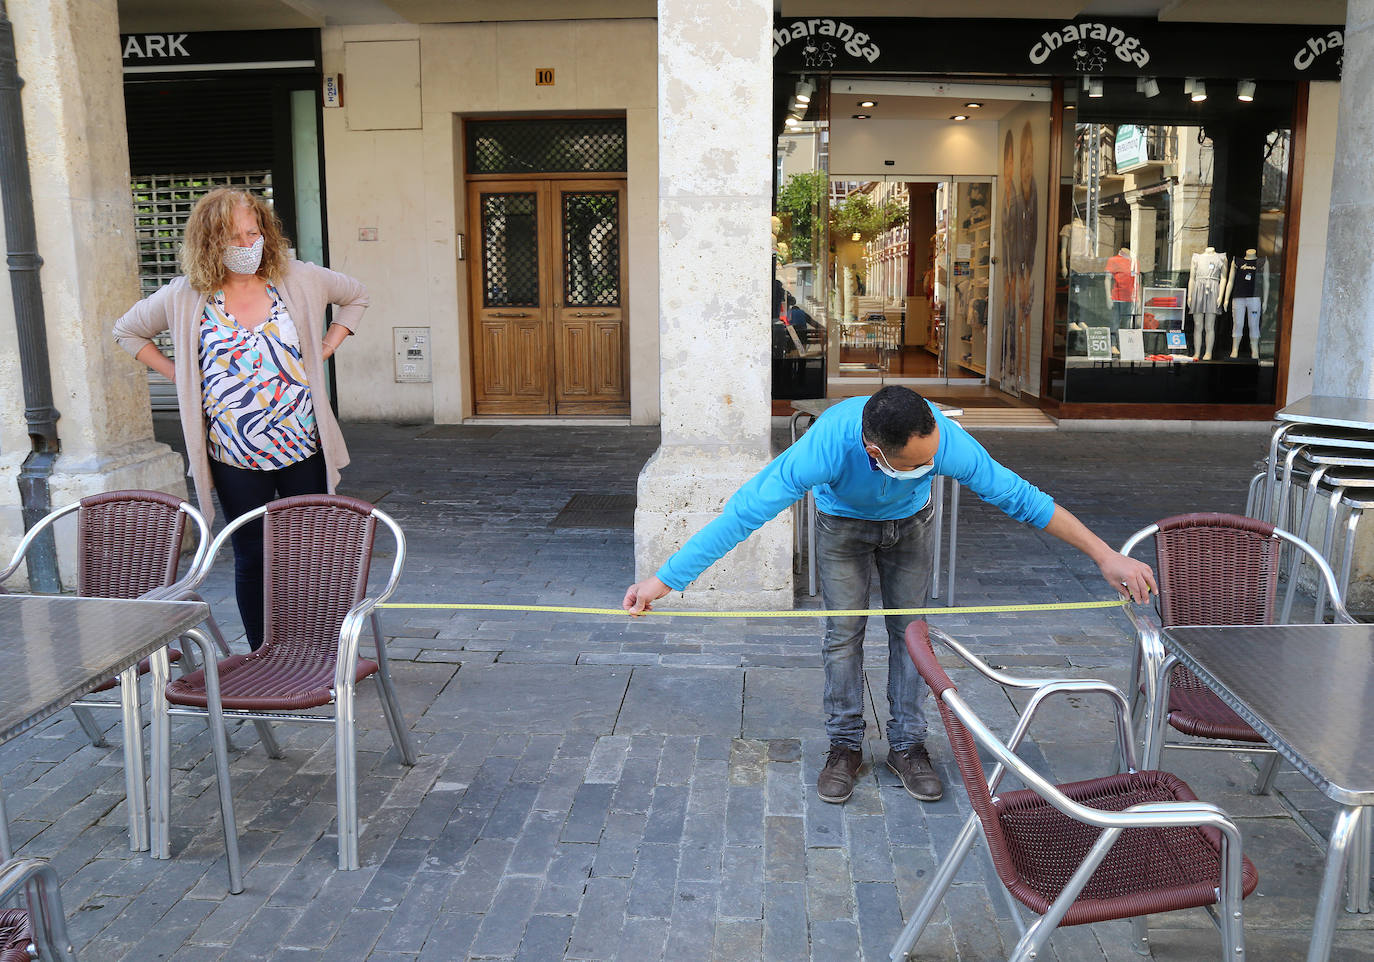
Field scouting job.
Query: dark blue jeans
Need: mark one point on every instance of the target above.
(240, 490)
(846, 551)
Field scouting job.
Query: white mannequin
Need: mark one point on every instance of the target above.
(1205, 298)
(1250, 296)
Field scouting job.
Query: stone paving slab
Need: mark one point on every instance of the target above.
(598, 788)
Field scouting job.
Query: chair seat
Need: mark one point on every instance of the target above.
(144, 667)
(1147, 871)
(15, 936)
(1194, 709)
(264, 681)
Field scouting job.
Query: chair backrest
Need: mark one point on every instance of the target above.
(1217, 569)
(317, 554)
(128, 543)
(964, 746)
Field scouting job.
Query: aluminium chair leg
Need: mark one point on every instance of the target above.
(935, 891)
(391, 705)
(1140, 936)
(346, 779)
(161, 793)
(1295, 564)
(1264, 783)
(87, 722)
(269, 740)
(219, 744)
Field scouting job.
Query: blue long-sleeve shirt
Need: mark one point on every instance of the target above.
(830, 459)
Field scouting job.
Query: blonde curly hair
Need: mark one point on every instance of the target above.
(210, 229)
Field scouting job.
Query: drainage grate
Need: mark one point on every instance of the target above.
(597, 511)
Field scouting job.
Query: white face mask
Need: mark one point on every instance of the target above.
(891, 472)
(244, 260)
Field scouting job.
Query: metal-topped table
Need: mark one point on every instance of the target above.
(54, 649)
(1341, 412)
(1308, 690)
(814, 408)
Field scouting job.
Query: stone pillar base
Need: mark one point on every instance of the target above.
(681, 489)
(146, 464)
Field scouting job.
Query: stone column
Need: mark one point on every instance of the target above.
(73, 96)
(1345, 332)
(715, 149)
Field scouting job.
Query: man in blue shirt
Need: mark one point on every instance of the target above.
(870, 462)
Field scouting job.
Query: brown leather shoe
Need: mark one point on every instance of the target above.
(836, 780)
(917, 774)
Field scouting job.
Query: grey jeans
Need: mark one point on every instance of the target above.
(846, 551)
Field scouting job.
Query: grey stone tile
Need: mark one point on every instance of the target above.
(673, 700)
(531, 698)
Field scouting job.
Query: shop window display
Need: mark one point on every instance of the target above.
(1170, 256)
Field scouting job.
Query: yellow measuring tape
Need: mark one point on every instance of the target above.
(795, 613)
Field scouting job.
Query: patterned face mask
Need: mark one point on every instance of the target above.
(244, 260)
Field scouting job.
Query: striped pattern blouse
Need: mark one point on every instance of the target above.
(258, 410)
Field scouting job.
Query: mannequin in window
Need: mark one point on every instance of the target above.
(1206, 288)
(1247, 291)
(1121, 287)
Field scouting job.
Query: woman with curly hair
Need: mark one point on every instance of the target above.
(245, 319)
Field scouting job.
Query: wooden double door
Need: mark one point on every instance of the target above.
(550, 332)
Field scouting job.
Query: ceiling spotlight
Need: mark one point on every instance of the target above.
(792, 122)
(1188, 84)
(1245, 91)
(856, 236)
(1070, 106)
(805, 89)
(1150, 88)
(1199, 93)
(863, 116)
(868, 103)
(1095, 87)
(958, 117)
(974, 104)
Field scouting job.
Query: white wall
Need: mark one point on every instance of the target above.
(1318, 163)
(408, 183)
(858, 148)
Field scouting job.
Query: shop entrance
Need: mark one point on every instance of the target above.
(914, 300)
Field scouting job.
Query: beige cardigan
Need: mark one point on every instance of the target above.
(306, 290)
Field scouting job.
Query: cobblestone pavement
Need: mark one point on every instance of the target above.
(596, 788)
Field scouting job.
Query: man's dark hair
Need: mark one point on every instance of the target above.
(894, 415)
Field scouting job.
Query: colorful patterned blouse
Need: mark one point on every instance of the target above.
(258, 409)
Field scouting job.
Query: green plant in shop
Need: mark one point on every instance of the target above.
(799, 203)
(857, 214)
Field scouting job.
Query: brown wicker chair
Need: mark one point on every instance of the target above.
(1118, 847)
(129, 545)
(317, 554)
(1214, 569)
(21, 940)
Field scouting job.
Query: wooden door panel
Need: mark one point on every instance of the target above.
(574, 360)
(591, 355)
(509, 279)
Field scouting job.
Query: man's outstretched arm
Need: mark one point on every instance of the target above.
(1124, 574)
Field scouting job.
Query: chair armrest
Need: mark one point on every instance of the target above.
(1083, 686)
(38, 881)
(32, 535)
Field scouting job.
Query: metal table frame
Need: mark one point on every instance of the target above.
(1244, 665)
(804, 515)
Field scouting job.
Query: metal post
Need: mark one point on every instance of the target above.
(30, 324)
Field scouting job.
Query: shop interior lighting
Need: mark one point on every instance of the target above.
(805, 89)
(863, 116)
(973, 104)
(1148, 86)
(868, 103)
(1245, 91)
(792, 122)
(1095, 87)
(1188, 84)
(856, 236)
(959, 117)
(1199, 93)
